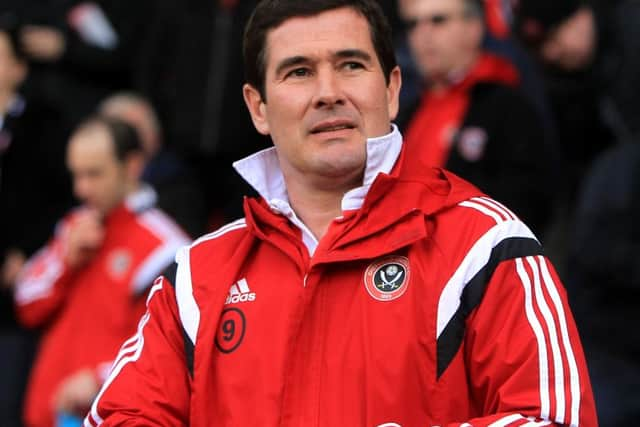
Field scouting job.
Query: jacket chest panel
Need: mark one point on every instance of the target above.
(298, 336)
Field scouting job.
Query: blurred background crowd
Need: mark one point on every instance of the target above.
(537, 102)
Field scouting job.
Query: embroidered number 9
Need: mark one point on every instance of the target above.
(231, 328)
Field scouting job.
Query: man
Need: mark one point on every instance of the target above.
(87, 287)
(179, 195)
(470, 117)
(350, 294)
(587, 52)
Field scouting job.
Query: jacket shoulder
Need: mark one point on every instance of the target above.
(207, 267)
(161, 226)
(481, 221)
(221, 239)
(215, 250)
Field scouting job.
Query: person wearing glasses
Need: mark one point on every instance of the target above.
(471, 116)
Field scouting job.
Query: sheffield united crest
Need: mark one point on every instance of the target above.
(387, 278)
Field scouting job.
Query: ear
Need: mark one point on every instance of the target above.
(257, 108)
(393, 92)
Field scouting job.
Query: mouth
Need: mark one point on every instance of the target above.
(332, 127)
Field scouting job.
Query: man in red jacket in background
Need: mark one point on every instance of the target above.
(471, 118)
(354, 292)
(87, 287)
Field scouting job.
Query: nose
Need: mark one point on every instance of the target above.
(328, 89)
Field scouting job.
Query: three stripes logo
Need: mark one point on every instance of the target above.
(240, 292)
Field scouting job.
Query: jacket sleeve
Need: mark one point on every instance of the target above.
(44, 282)
(149, 381)
(525, 361)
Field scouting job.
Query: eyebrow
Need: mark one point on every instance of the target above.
(341, 54)
(353, 53)
(290, 62)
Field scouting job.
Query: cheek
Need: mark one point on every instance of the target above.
(280, 112)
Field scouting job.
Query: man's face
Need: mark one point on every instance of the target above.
(572, 45)
(325, 95)
(441, 37)
(99, 179)
(12, 71)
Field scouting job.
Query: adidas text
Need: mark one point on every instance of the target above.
(240, 292)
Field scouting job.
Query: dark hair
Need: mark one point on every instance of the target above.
(269, 14)
(10, 26)
(124, 136)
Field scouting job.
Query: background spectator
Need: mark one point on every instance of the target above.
(471, 119)
(588, 52)
(94, 273)
(179, 194)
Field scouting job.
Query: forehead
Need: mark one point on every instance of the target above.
(412, 7)
(91, 145)
(318, 35)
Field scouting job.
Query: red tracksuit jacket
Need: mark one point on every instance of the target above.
(430, 305)
(87, 313)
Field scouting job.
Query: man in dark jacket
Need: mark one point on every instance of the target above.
(588, 53)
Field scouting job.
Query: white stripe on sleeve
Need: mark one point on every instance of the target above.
(474, 261)
(124, 357)
(187, 306)
(540, 338)
(574, 377)
(558, 369)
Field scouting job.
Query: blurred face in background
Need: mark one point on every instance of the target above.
(571, 46)
(100, 180)
(444, 38)
(12, 71)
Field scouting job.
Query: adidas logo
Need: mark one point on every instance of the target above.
(240, 292)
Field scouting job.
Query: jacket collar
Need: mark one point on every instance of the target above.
(142, 199)
(262, 171)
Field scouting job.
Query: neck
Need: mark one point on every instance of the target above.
(315, 207)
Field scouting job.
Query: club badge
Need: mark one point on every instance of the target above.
(387, 278)
(119, 263)
(472, 143)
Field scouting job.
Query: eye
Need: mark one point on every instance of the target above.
(298, 72)
(353, 65)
